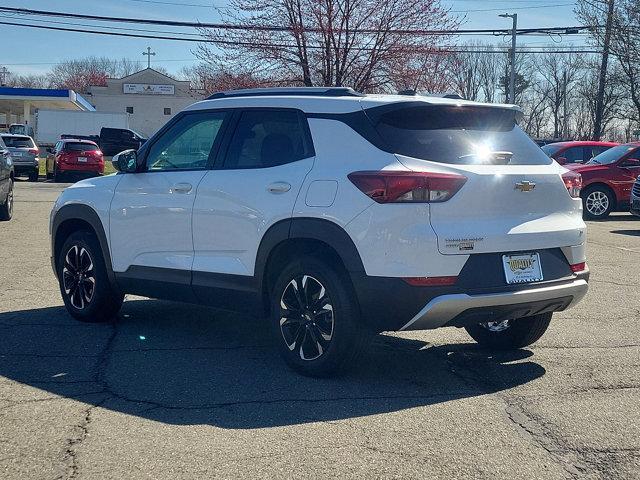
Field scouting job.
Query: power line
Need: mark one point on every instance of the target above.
(226, 26)
(512, 8)
(271, 45)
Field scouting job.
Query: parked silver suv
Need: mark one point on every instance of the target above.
(24, 153)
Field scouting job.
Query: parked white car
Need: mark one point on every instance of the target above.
(335, 213)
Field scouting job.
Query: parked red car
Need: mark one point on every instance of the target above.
(78, 156)
(576, 152)
(607, 180)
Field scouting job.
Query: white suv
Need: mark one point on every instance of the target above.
(337, 214)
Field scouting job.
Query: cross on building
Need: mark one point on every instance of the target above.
(149, 54)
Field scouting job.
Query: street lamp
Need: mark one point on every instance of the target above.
(512, 82)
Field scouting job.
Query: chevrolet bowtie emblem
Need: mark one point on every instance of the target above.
(525, 186)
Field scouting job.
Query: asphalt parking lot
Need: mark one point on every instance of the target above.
(179, 391)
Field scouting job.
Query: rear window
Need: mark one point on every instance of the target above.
(79, 147)
(18, 142)
(456, 135)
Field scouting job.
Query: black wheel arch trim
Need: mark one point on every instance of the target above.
(88, 215)
(304, 228)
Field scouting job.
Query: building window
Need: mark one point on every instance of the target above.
(167, 111)
(129, 109)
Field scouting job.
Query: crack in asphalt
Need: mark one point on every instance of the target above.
(531, 427)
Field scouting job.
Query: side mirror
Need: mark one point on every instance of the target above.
(126, 162)
(631, 163)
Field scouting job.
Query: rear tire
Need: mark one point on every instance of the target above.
(84, 285)
(597, 202)
(33, 176)
(6, 209)
(316, 319)
(511, 335)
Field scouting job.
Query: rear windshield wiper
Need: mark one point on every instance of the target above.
(490, 158)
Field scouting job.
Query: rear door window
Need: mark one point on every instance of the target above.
(455, 135)
(573, 155)
(266, 138)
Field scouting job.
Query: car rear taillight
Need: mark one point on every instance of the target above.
(431, 281)
(33, 151)
(578, 267)
(407, 187)
(573, 182)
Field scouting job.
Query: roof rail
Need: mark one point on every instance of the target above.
(281, 91)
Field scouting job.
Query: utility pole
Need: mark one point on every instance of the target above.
(149, 54)
(565, 120)
(514, 32)
(597, 126)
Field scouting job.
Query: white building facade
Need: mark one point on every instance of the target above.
(151, 98)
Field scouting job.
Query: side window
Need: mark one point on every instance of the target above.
(595, 151)
(266, 138)
(58, 147)
(187, 144)
(573, 154)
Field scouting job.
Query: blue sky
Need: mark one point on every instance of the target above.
(27, 50)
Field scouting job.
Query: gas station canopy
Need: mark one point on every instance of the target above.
(23, 102)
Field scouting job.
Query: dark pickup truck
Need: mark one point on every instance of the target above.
(112, 140)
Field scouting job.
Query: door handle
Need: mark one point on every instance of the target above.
(279, 187)
(181, 188)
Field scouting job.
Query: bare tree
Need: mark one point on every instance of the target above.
(466, 72)
(357, 43)
(559, 74)
(28, 81)
(79, 74)
(208, 79)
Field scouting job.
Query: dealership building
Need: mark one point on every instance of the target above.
(150, 98)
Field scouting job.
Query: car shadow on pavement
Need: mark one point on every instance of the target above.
(184, 364)
(633, 233)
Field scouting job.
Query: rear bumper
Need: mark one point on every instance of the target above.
(461, 309)
(91, 167)
(25, 167)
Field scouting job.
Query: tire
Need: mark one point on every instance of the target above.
(511, 335)
(33, 176)
(57, 177)
(302, 339)
(6, 209)
(94, 300)
(597, 202)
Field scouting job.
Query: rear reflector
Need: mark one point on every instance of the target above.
(431, 281)
(573, 182)
(578, 267)
(407, 187)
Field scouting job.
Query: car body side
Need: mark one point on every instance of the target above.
(619, 180)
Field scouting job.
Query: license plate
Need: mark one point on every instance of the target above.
(522, 268)
(82, 159)
(17, 154)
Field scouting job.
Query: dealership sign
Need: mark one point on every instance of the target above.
(148, 89)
